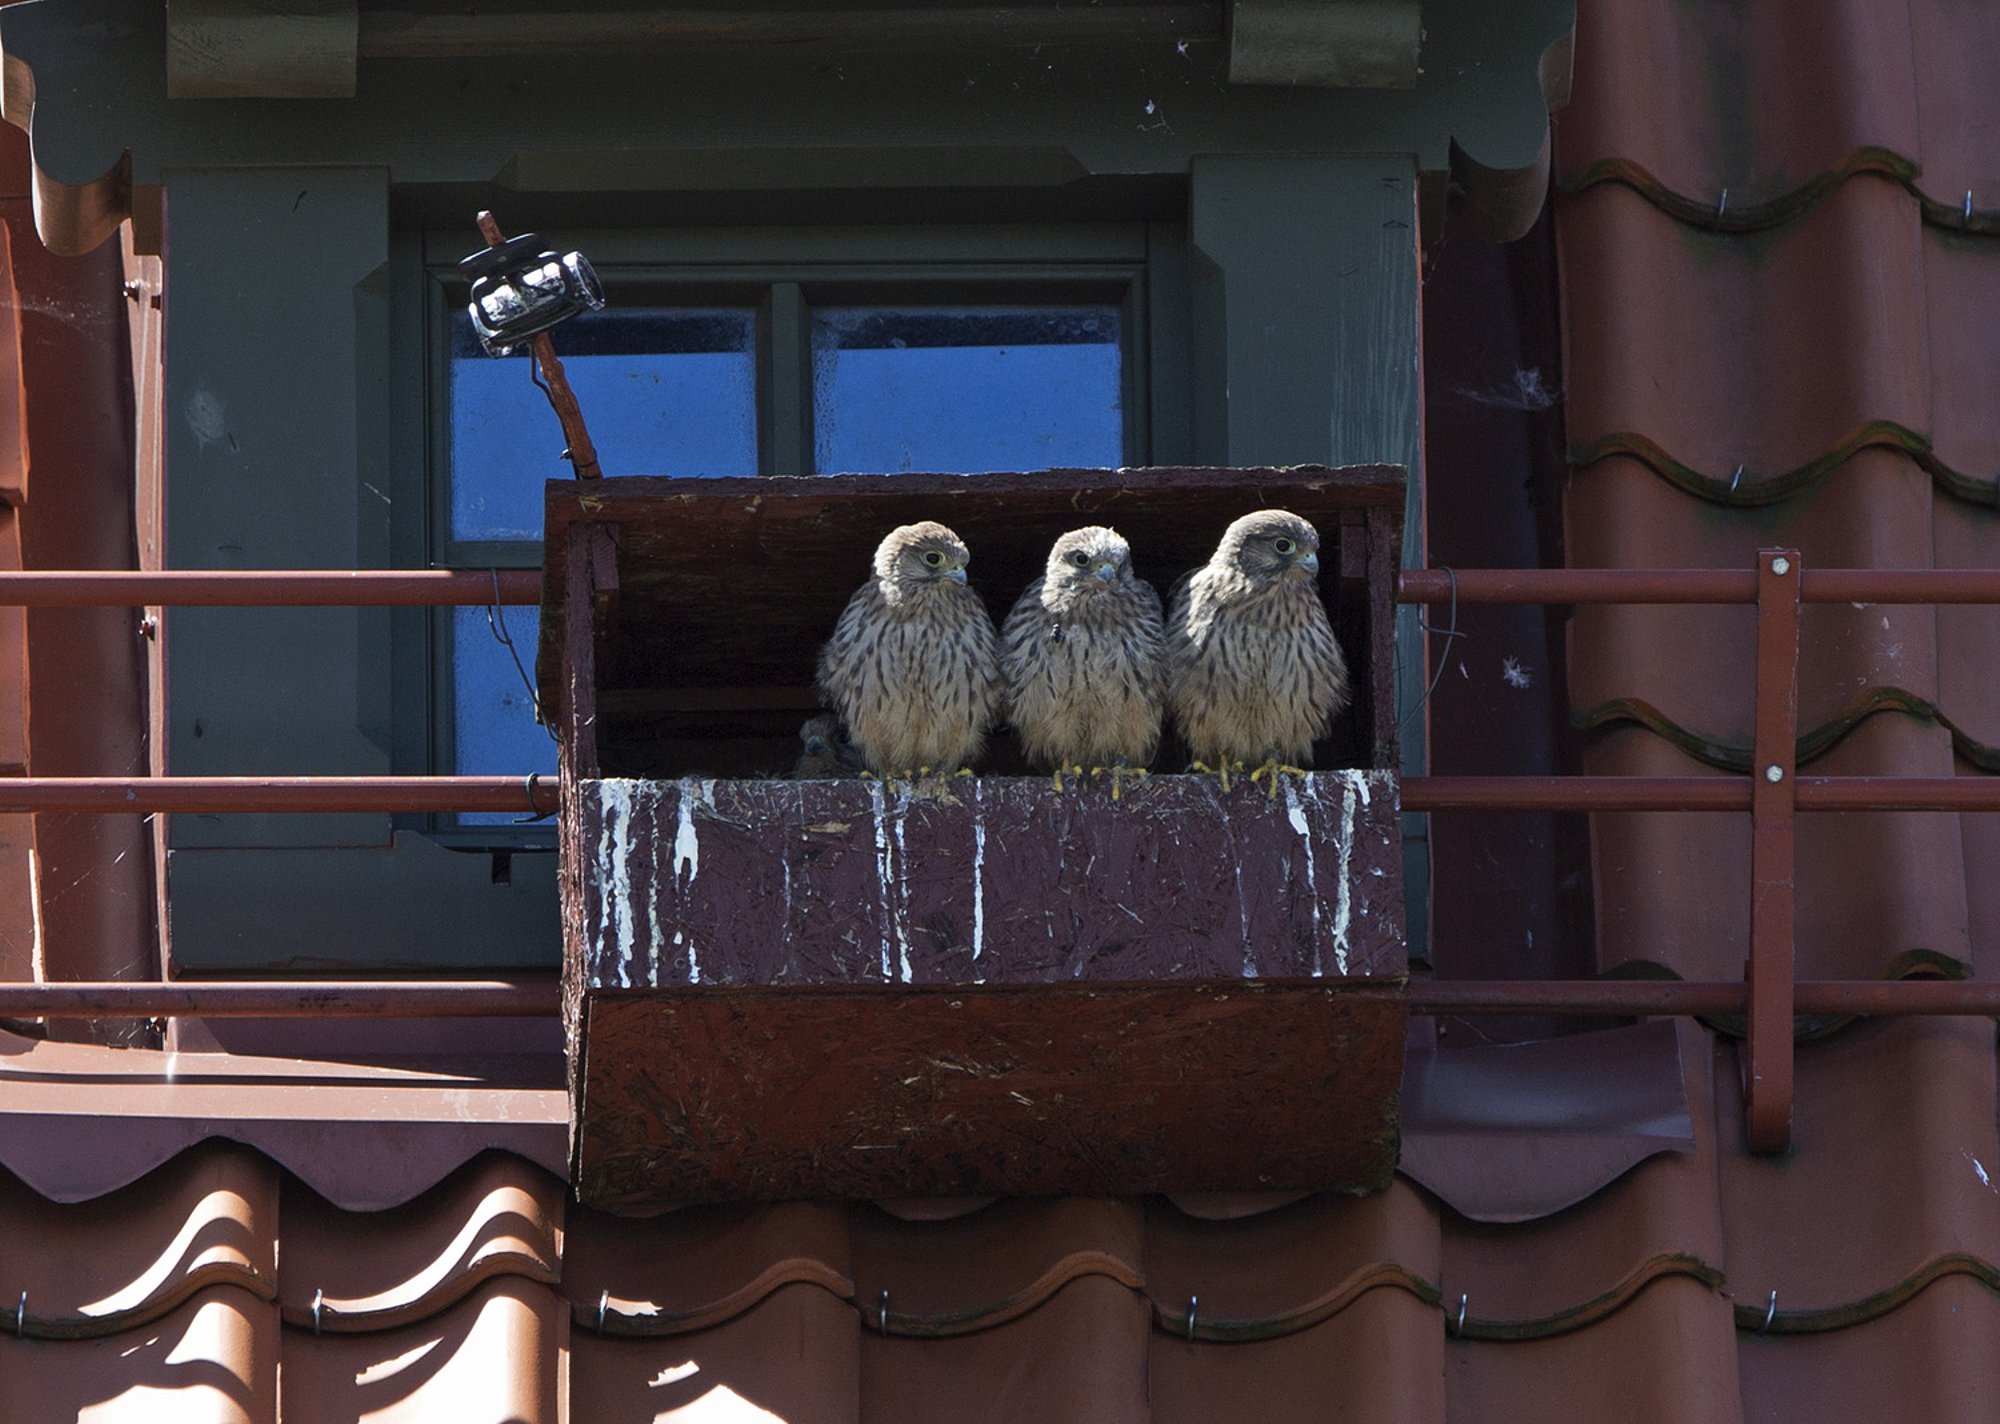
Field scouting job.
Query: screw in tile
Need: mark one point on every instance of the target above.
(1781, 566)
(1774, 773)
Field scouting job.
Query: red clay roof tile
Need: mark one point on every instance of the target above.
(380, 1270)
(1669, 1355)
(493, 1358)
(794, 1356)
(211, 1360)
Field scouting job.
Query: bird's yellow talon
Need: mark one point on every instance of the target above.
(1272, 768)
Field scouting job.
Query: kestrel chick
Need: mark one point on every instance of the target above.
(913, 667)
(1254, 672)
(1084, 651)
(824, 750)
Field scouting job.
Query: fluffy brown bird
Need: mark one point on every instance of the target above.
(913, 667)
(825, 752)
(1084, 652)
(1254, 673)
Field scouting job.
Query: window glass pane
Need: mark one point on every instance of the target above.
(961, 390)
(493, 712)
(663, 391)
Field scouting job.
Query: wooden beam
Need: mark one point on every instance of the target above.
(261, 49)
(1327, 44)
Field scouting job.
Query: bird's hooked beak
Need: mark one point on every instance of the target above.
(1309, 561)
(1107, 571)
(956, 575)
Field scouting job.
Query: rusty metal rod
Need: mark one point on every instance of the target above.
(269, 588)
(1900, 586)
(295, 999)
(537, 998)
(1695, 793)
(1899, 793)
(1572, 586)
(1576, 793)
(147, 795)
(1672, 997)
(1435, 586)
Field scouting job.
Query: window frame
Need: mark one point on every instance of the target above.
(781, 275)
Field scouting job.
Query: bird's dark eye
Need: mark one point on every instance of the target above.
(1079, 558)
(1283, 546)
(934, 558)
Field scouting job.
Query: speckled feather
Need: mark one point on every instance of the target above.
(1085, 658)
(913, 666)
(1254, 669)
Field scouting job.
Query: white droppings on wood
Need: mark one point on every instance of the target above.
(687, 841)
(1297, 816)
(902, 899)
(892, 891)
(882, 867)
(1242, 909)
(614, 873)
(687, 864)
(1353, 793)
(978, 876)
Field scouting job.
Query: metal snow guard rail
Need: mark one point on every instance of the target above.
(1768, 996)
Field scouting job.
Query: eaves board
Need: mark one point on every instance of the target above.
(86, 77)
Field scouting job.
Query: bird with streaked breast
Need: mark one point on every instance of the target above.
(1084, 653)
(1255, 673)
(913, 665)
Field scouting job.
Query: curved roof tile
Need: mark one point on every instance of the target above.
(1690, 99)
(341, 1271)
(699, 1267)
(1879, 893)
(1764, 351)
(208, 1217)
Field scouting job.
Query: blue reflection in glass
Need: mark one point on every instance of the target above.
(494, 731)
(664, 392)
(961, 390)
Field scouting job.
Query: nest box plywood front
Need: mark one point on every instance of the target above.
(976, 984)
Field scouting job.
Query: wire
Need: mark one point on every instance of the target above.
(496, 624)
(1449, 635)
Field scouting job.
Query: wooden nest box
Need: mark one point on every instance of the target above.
(837, 988)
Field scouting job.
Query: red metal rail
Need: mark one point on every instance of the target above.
(149, 795)
(272, 588)
(534, 998)
(1773, 795)
(286, 999)
(1436, 586)
(1643, 998)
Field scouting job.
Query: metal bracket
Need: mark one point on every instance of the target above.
(1771, 969)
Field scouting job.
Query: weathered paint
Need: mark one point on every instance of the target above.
(748, 882)
(978, 879)
(1298, 819)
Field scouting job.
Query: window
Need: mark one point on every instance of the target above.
(955, 366)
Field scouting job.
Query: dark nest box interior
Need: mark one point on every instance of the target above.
(824, 988)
